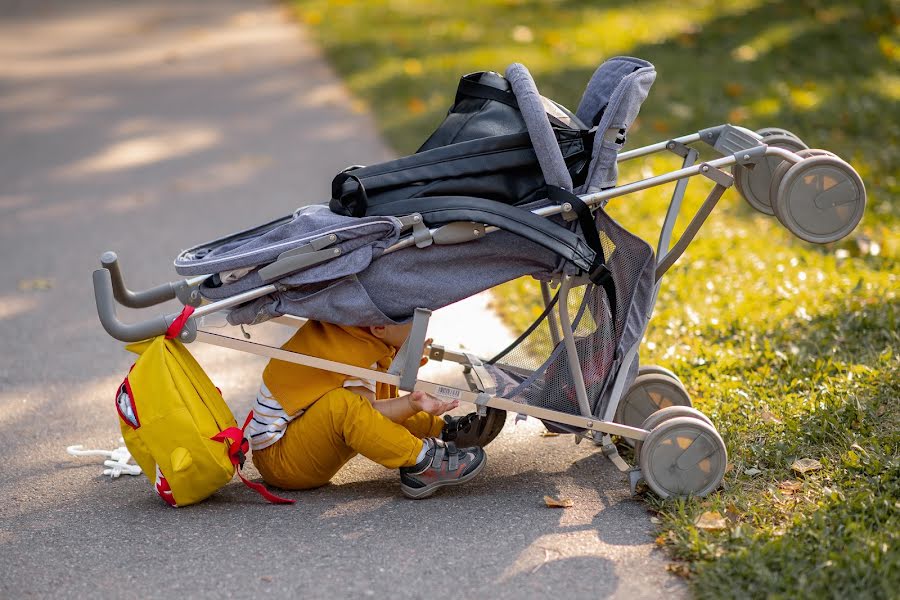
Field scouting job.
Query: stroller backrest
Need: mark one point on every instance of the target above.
(611, 103)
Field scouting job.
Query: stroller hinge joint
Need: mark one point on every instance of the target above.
(718, 176)
(676, 147)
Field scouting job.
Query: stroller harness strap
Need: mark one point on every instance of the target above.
(521, 222)
(598, 272)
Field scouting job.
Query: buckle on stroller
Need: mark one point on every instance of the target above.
(602, 276)
(353, 202)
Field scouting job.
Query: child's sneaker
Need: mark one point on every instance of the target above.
(473, 430)
(444, 464)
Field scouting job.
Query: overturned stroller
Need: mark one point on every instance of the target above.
(511, 185)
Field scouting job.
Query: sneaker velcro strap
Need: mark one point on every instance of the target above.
(453, 461)
(438, 456)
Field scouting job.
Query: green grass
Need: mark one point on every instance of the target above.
(791, 348)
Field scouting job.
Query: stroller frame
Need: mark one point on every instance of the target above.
(735, 145)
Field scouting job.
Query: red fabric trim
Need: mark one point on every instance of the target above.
(238, 447)
(127, 385)
(178, 324)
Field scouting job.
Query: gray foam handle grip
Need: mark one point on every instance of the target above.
(106, 310)
(126, 297)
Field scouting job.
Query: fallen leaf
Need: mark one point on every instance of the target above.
(522, 34)
(680, 569)
(711, 521)
(734, 89)
(412, 67)
(35, 285)
(788, 488)
(752, 471)
(768, 417)
(738, 114)
(549, 434)
(552, 502)
(732, 514)
(805, 465)
(416, 105)
(655, 521)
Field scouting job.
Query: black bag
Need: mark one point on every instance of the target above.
(482, 149)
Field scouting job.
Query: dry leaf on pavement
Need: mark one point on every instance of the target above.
(552, 502)
(35, 285)
(549, 434)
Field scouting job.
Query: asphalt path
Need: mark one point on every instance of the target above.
(148, 127)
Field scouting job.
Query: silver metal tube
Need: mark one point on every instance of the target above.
(571, 348)
(212, 307)
(603, 197)
(551, 316)
(658, 147)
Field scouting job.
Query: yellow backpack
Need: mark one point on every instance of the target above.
(177, 426)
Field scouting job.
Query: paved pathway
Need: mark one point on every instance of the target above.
(145, 127)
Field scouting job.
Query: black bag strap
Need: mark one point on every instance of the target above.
(473, 89)
(353, 204)
(599, 273)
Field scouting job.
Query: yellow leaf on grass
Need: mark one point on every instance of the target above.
(416, 105)
(805, 465)
(552, 502)
(711, 521)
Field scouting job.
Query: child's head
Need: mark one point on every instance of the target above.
(392, 335)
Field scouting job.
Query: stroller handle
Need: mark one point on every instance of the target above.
(106, 310)
(110, 262)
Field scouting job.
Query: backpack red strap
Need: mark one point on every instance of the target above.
(237, 452)
(178, 324)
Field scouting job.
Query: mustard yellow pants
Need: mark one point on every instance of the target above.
(338, 426)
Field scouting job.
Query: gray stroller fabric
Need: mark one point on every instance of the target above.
(542, 137)
(537, 372)
(611, 102)
(359, 240)
(390, 289)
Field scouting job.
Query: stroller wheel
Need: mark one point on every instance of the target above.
(664, 414)
(782, 169)
(683, 456)
(821, 199)
(754, 184)
(770, 131)
(650, 392)
(647, 369)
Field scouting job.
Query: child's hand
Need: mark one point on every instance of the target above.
(428, 403)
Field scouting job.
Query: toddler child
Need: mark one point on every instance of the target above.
(308, 422)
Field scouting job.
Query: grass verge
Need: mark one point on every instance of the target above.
(792, 349)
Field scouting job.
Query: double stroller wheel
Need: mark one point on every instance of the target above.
(653, 389)
(683, 455)
(755, 184)
(821, 199)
